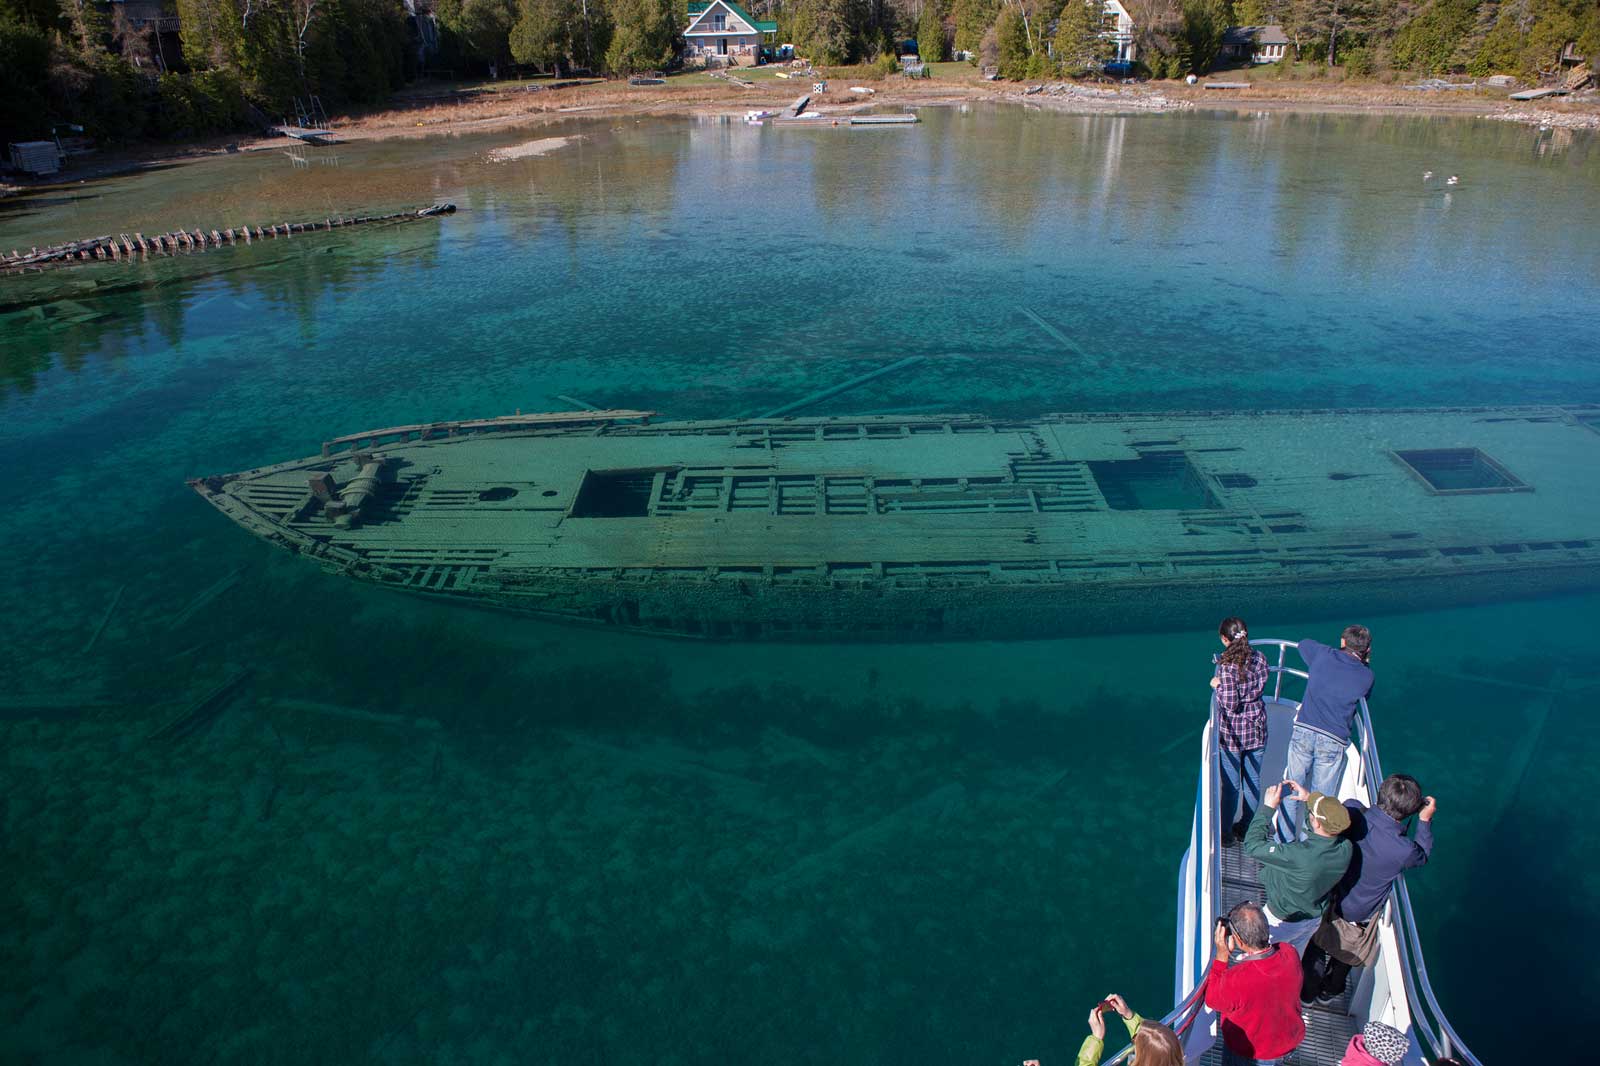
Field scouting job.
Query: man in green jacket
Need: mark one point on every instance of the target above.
(1299, 875)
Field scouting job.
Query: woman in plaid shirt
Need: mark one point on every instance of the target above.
(1241, 725)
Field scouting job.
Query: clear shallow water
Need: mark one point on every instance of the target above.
(621, 849)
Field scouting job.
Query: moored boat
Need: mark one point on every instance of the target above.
(951, 526)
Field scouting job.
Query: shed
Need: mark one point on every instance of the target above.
(35, 157)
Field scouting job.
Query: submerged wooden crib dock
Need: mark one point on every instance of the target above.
(948, 526)
(135, 247)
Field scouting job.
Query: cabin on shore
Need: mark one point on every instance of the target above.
(1255, 44)
(1116, 27)
(721, 33)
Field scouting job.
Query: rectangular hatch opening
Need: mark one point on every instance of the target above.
(1156, 481)
(614, 494)
(1452, 471)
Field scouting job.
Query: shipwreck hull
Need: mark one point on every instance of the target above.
(954, 527)
(856, 614)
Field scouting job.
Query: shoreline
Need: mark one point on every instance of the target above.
(470, 110)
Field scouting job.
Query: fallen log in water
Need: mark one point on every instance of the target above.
(138, 247)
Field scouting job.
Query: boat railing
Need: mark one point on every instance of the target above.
(1427, 1017)
(1179, 1020)
(396, 435)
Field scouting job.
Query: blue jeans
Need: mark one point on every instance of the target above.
(1239, 768)
(1230, 1059)
(1316, 760)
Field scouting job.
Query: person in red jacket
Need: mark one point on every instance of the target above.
(1255, 986)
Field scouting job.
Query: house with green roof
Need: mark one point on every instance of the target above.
(721, 33)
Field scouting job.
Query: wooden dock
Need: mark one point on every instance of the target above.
(318, 137)
(822, 121)
(1227, 85)
(128, 248)
(1538, 94)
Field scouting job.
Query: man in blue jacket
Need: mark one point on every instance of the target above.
(1339, 679)
(1382, 853)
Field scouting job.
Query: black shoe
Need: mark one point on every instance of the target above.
(1328, 999)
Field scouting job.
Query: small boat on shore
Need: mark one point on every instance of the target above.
(946, 526)
(1394, 990)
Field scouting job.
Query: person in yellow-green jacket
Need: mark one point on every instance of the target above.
(1153, 1043)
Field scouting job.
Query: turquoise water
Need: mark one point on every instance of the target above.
(565, 846)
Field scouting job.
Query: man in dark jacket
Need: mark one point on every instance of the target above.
(1338, 680)
(1383, 852)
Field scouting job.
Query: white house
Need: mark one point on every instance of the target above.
(1117, 27)
(722, 32)
(1258, 44)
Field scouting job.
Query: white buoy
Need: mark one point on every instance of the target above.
(1426, 174)
(1452, 180)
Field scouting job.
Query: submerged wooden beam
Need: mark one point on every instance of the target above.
(104, 619)
(845, 386)
(201, 711)
(935, 806)
(204, 599)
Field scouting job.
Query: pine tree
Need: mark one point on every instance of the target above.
(828, 32)
(645, 35)
(1328, 20)
(1077, 45)
(542, 34)
(87, 23)
(1250, 13)
(1203, 24)
(1011, 34)
(930, 33)
(481, 27)
(973, 19)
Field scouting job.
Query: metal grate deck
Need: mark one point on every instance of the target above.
(1329, 1028)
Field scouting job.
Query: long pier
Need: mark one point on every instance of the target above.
(131, 247)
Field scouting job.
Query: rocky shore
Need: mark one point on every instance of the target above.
(1547, 119)
(1068, 96)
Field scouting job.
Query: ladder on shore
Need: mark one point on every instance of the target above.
(310, 114)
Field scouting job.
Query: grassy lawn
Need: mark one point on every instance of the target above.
(768, 73)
